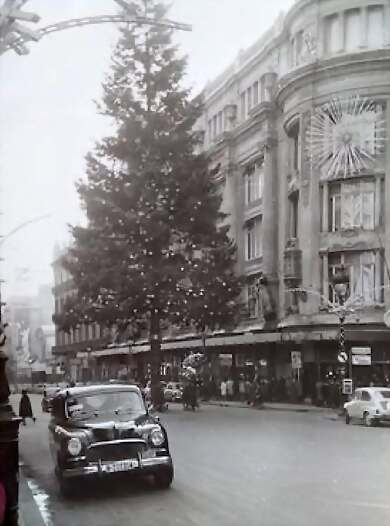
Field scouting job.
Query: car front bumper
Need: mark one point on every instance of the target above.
(383, 417)
(103, 468)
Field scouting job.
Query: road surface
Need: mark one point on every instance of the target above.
(236, 467)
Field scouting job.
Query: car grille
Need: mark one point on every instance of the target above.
(109, 452)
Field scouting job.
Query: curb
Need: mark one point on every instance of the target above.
(267, 407)
(29, 514)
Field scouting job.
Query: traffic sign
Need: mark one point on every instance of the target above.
(342, 357)
(296, 359)
(361, 350)
(361, 359)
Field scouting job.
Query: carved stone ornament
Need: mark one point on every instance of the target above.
(345, 136)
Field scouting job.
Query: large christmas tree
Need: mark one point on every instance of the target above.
(154, 249)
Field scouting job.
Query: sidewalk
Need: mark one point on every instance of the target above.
(275, 406)
(29, 514)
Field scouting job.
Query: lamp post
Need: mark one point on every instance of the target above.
(340, 283)
(9, 430)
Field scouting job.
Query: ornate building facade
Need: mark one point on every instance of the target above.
(299, 126)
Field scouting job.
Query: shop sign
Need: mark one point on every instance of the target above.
(296, 360)
(225, 359)
(361, 350)
(361, 359)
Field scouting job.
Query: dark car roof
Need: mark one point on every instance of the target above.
(96, 389)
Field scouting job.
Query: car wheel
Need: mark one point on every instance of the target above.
(163, 479)
(347, 418)
(368, 421)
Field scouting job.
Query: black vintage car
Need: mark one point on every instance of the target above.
(47, 398)
(103, 430)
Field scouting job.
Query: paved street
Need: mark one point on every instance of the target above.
(237, 467)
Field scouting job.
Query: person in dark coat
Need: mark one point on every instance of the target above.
(25, 409)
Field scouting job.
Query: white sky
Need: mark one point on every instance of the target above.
(49, 122)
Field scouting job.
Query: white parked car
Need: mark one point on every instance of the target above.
(173, 392)
(369, 404)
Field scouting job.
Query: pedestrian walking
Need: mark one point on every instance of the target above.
(25, 409)
(230, 388)
(223, 390)
(241, 388)
(319, 393)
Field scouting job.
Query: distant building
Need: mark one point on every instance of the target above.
(31, 334)
(85, 353)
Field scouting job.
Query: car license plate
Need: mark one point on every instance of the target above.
(121, 465)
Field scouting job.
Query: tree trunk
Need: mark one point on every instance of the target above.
(155, 351)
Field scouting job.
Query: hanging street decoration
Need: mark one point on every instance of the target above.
(345, 136)
(14, 35)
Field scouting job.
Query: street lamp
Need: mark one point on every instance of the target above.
(340, 284)
(9, 429)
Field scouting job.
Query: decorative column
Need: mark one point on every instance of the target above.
(387, 208)
(270, 210)
(309, 239)
(325, 206)
(325, 275)
(377, 202)
(378, 277)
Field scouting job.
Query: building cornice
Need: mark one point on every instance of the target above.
(330, 68)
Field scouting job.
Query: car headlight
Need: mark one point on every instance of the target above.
(74, 446)
(157, 437)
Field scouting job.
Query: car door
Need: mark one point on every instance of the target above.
(354, 407)
(366, 403)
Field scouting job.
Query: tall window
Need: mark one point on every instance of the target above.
(243, 106)
(332, 34)
(364, 276)
(375, 29)
(249, 98)
(253, 239)
(215, 124)
(293, 215)
(352, 29)
(297, 48)
(210, 130)
(254, 182)
(255, 91)
(352, 205)
(220, 122)
(295, 145)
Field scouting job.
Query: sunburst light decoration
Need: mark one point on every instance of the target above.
(345, 136)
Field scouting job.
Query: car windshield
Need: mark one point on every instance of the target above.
(50, 391)
(120, 402)
(385, 394)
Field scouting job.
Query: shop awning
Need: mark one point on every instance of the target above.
(115, 351)
(308, 335)
(248, 338)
